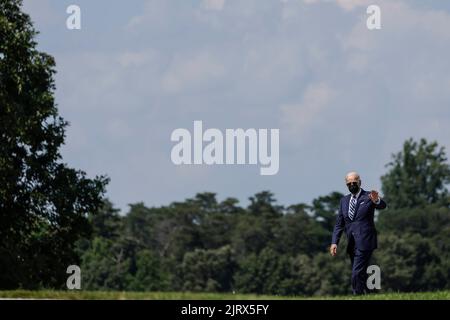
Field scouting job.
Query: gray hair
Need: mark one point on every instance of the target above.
(352, 173)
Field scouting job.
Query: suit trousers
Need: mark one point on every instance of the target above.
(360, 262)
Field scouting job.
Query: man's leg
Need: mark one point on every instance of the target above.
(359, 270)
(351, 254)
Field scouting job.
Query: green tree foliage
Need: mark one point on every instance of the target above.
(208, 270)
(326, 208)
(106, 222)
(43, 203)
(427, 221)
(106, 266)
(263, 272)
(299, 232)
(150, 273)
(414, 250)
(411, 263)
(418, 175)
(333, 276)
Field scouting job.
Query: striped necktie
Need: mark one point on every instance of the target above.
(351, 209)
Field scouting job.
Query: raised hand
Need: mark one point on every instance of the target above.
(374, 196)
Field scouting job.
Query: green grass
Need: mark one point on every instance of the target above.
(117, 295)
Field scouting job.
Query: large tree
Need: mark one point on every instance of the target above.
(325, 209)
(418, 175)
(43, 203)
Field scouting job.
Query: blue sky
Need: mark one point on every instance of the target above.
(344, 98)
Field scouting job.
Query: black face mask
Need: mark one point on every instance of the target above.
(353, 187)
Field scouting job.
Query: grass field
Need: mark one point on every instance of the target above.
(116, 295)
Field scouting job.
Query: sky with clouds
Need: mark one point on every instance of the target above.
(344, 97)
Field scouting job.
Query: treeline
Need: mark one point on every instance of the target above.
(202, 244)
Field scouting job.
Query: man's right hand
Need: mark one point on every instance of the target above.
(333, 249)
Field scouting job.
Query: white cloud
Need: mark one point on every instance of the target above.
(216, 5)
(409, 53)
(351, 4)
(344, 4)
(190, 72)
(299, 117)
(107, 80)
(156, 13)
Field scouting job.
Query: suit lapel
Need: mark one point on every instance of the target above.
(360, 199)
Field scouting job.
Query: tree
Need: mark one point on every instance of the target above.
(137, 225)
(43, 203)
(251, 235)
(106, 222)
(214, 225)
(333, 274)
(413, 242)
(208, 270)
(303, 278)
(418, 175)
(107, 265)
(428, 221)
(410, 262)
(325, 209)
(263, 204)
(150, 274)
(298, 232)
(263, 273)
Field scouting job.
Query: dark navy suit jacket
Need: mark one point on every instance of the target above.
(360, 231)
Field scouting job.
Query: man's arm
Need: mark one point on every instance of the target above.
(379, 203)
(337, 232)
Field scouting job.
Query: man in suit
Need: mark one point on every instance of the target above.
(356, 217)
